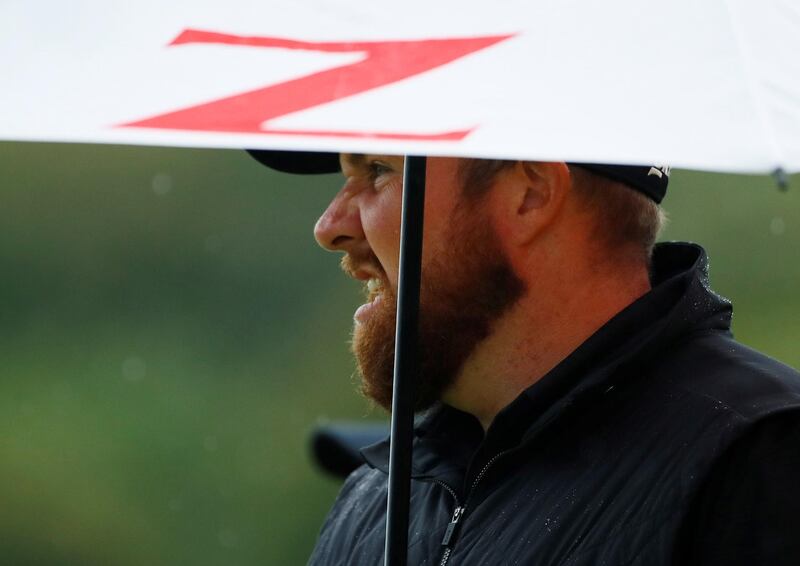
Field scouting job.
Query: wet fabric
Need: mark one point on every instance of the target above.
(660, 440)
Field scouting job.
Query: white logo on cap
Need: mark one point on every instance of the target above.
(659, 171)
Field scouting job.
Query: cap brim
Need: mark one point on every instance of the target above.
(298, 162)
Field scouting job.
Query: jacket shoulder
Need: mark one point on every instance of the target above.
(715, 369)
(356, 522)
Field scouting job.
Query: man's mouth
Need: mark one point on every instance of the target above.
(373, 290)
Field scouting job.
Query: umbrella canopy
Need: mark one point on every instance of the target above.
(714, 85)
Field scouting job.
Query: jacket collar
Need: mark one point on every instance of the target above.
(680, 303)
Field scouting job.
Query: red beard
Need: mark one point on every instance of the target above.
(461, 296)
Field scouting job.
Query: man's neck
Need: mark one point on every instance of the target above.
(534, 337)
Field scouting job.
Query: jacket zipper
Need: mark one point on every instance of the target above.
(453, 521)
(451, 534)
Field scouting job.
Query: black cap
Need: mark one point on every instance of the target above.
(650, 180)
(298, 162)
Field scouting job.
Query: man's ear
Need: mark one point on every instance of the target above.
(538, 192)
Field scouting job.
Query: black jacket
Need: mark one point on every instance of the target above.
(660, 440)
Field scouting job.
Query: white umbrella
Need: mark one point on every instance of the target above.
(712, 85)
(709, 85)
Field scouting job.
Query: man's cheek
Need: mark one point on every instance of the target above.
(382, 229)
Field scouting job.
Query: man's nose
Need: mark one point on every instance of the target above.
(339, 227)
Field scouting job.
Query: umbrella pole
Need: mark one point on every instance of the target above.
(406, 361)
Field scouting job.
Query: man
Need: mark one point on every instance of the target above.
(582, 400)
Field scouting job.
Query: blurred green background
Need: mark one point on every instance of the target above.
(170, 334)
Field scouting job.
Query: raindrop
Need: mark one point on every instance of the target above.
(213, 243)
(134, 368)
(162, 184)
(211, 443)
(62, 392)
(228, 538)
(777, 226)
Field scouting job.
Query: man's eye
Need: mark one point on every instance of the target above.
(378, 169)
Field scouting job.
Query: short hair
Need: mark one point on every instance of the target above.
(477, 175)
(626, 221)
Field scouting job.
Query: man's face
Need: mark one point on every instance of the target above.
(466, 281)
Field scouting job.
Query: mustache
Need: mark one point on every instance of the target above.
(354, 262)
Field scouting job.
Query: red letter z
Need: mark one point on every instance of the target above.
(385, 62)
